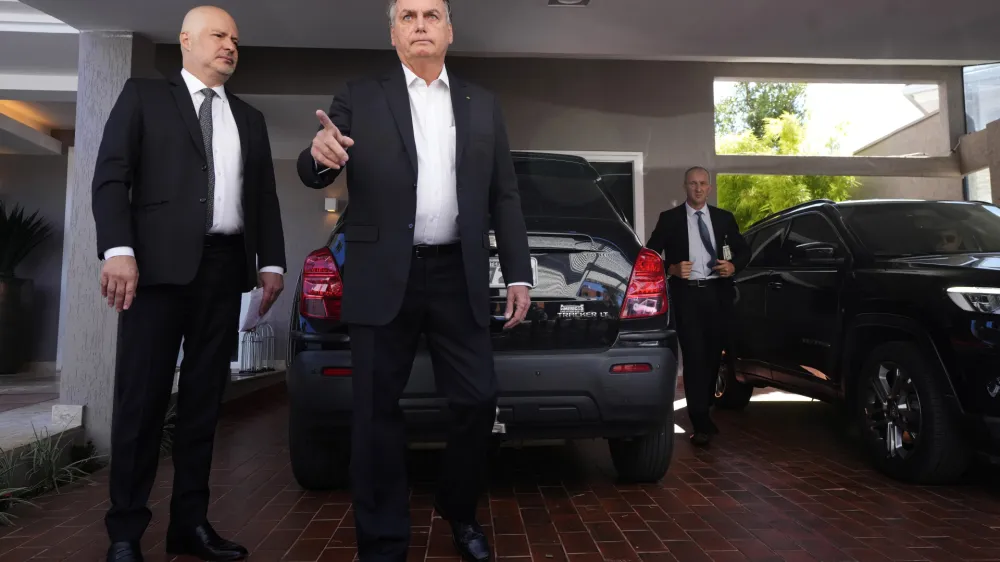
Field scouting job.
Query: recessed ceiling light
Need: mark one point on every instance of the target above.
(569, 3)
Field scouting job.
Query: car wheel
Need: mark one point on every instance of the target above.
(730, 394)
(905, 424)
(320, 456)
(646, 458)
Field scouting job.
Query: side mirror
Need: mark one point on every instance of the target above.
(816, 253)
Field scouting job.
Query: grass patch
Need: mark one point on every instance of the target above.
(43, 466)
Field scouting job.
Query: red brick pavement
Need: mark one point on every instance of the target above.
(780, 484)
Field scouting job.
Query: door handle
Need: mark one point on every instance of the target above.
(776, 285)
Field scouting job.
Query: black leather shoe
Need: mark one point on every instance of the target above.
(700, 439)
(124, 552)
(470, 541)
(204, 543)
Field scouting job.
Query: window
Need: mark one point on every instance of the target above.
(767, 250)
(557, 188)
(925, 228)
(828, 119)
(980, 186)
(809, 231)
(982, 95)
(619, 180)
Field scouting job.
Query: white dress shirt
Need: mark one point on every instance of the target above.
(697, 254)
(228, 159)
(436, 219)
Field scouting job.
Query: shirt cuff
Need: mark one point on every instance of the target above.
(273, 269)
(528, 285)
(119, 251)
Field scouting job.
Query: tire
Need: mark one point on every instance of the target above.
(644, 459)
(926, 444)
(730, 394)
(320, 456)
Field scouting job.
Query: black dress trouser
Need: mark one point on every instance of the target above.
(205, 314)
(436, 305)
(702, 314)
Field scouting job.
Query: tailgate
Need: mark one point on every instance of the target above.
(580, 283)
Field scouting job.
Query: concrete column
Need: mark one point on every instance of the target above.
(952, 95)
(88, 327)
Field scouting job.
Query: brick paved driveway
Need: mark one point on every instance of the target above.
(780, 484)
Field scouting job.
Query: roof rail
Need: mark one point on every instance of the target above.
(793, 208)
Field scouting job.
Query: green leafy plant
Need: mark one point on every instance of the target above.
(753, 103)
(41, 466)
(10, 496)
(751, 198)
(770, 119)
(47, 469)
(19, 236)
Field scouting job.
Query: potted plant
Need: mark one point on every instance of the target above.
(19, 235)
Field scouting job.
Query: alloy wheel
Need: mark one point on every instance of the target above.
(892, 411)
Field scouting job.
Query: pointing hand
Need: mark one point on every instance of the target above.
(329, 146)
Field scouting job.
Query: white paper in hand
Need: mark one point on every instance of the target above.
(251, 315)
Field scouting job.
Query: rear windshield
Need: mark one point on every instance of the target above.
(909, 229)
(551, 188)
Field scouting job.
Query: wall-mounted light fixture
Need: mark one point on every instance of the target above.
(331, 204)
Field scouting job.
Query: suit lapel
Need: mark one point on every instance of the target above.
(682, 232)
(717, 230)
(240, 114)
(188, 114)
(394, 85)
(460, 103)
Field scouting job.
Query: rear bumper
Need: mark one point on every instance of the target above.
(542, 395)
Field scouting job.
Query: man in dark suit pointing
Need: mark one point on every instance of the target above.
(187, 220)
(703, 250)
(429, 172)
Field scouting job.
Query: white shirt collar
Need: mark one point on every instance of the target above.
(691, 210)
(411, 77)
(195, 86)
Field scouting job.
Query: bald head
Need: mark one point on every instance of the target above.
(209, 42)
(197, 18)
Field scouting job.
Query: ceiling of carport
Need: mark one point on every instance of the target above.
(924, 31)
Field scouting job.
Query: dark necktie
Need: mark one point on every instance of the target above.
(706, 239)
(205, 118)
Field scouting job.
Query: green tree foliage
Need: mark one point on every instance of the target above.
(753, 103)
(751, 198)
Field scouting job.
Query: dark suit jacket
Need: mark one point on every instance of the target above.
(670, 236)
(382, 194)
(153, 150)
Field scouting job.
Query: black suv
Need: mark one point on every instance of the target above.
(595, 357)
(888, 306)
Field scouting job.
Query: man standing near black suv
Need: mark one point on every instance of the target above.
(703, 249)
(429, 171)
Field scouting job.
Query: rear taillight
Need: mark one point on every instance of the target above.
(647, 289)
(322, 287)
(336, 371)
(623, 368)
